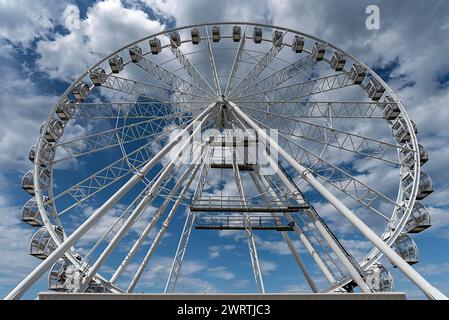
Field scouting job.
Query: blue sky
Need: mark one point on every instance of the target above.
(45, 52)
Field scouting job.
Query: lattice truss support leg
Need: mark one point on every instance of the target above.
(430, 291)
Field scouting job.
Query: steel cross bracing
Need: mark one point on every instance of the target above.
(259, 67)
(430, 291)
(157, 215)
(132, 110)
(301, 89)
(110, 233)
(65, 246)
(332, 242)
(107, 176)
(175, 270)
(139, 209)
(335, 176)
(140, 89)
(319, 109)
(212, 64)
(134, 212)
(136, 209)
(112, 236)
(340, 139)
(169, 78)
(190, 68)
(132, 132)
(320, 257)
(264, 102)
(236, 63)
(278, 77)
(160, 234)
(285, 235)
(248, 229)
(311, 216)
(323, 234)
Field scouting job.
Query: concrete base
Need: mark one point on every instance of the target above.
(230, 296)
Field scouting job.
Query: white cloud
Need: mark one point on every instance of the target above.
(37, 19)
(266, 267)
(15, 237)
(432, 269)
(214, 251)
(23, 109)
(221, 272)
(108, 26)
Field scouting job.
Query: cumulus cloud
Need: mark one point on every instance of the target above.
(108, 26)
(412, 57)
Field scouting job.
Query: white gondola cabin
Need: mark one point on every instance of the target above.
(81, 91)
(338, 61)
(216, 36)
(46, 156)
(32, 153)
(257, 35)
(424, 189)
(379, 279)
(155, 45)
(54, 130)
(400, 130)
(135, 53)
(98, 76)
(28, 181)
(66, 110)
(175, 38)
(196, 36)
(318, 51)
(357, 73)
(407, 156)
(390, 109)
(298, 44)
(277, 38)
(58, 275)
(116, 64)
(419, 219)
(374, 89)
(406, 248)
(31, 215)
(236, 33)
(42, 244)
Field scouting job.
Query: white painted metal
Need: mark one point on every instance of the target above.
(285, 235)
(430, 291)
(160, 234)
(67, 244)
(149, 110)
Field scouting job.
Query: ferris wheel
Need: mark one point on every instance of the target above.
(311, 139)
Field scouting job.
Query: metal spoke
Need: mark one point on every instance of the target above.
(321, 109)
(131, 110)
(138, 89)
(189, 67)
(121, 135)
(340, 139)
(278, 77)
(235, 65)
(109, 175)
(336, 176)
(301, 89)
(212, 63)
(259, 67)
(175, 82)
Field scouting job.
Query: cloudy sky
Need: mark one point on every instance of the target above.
(45, 45)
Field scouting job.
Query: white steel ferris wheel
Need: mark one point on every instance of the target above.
(308, 136)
